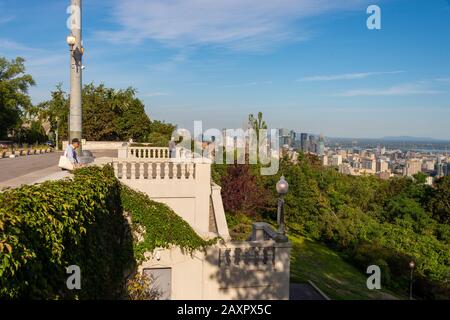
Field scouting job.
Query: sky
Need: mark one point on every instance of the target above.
(308, 65)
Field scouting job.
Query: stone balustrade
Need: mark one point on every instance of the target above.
(154, 171)
(153, 153)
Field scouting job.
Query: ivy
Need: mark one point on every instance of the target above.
(80, 221)
(162, 227)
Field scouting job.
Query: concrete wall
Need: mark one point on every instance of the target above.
(211, 278)
(256, 269)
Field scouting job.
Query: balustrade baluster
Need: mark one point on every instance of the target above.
(166, 171)
(141, 170)
(133, 171)
(158, 170)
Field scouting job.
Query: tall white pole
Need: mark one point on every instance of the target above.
(75, 117)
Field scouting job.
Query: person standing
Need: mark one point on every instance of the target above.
(172, 148)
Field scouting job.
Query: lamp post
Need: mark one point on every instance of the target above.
(282, 188)
(74, 40)
(411, 266)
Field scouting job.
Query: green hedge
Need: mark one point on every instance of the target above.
(45, 228)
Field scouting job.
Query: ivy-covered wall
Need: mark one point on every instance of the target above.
(45, 228)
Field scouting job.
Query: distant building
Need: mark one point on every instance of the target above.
(382, 165)
(336, 160)
(368, 165)
(412, 166)
(304, 142)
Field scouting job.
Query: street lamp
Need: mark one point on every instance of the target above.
(71, 41)
(282, 188)
(411, 266)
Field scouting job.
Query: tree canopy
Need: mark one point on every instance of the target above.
(14, 98)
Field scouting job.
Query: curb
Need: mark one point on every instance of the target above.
(318, 290)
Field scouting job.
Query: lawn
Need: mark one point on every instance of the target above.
(330, 272)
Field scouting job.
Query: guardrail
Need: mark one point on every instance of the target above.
(128, 169)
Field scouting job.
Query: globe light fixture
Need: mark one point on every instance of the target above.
(282, 186)
(71, 40)
(412, 264)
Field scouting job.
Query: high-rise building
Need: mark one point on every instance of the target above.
(312, 144)
(369, 165)
(304, 142)
(382, 165)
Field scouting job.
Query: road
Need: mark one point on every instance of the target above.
(26, 169)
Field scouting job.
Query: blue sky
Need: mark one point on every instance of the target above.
(309, 65)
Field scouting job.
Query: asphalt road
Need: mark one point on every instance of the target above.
(20, 166)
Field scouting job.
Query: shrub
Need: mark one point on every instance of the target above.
(45, 228)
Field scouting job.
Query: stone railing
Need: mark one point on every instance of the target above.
(152, 153)
(260, 251)
(153, 171)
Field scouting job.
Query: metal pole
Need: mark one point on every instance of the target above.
(75, 117)
(280, 215)
(411, 284)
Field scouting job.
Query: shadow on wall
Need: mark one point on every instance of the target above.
(249, 270)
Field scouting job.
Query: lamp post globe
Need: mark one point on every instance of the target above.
(282, 186)
(71, 40)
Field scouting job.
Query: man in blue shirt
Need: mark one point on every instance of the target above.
(71, 154)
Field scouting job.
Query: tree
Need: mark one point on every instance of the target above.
(14, 98)
(108, 114)
(241, 192)
(56, 112)
(439, 201)
(257, 123)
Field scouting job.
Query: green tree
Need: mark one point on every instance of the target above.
(14, 98)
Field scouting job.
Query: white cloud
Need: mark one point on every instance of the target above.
(9, 45)
(399, 90)
(235, 24)
(154, 94)
(347, 76)
(6, 19)
(247, 84)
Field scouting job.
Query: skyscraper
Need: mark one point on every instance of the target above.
(304, 142)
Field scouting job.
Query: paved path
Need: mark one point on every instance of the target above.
(304, 291)
(33, 168)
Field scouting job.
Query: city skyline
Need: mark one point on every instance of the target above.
(307, 65)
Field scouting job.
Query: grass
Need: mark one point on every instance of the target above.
(330, 272)
(314, 261)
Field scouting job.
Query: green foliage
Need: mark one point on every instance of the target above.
(45, 228)
(160, 133)
(162, 226)
(369, 220)
(14, 98)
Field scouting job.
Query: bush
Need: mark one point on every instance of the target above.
(45, 228)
